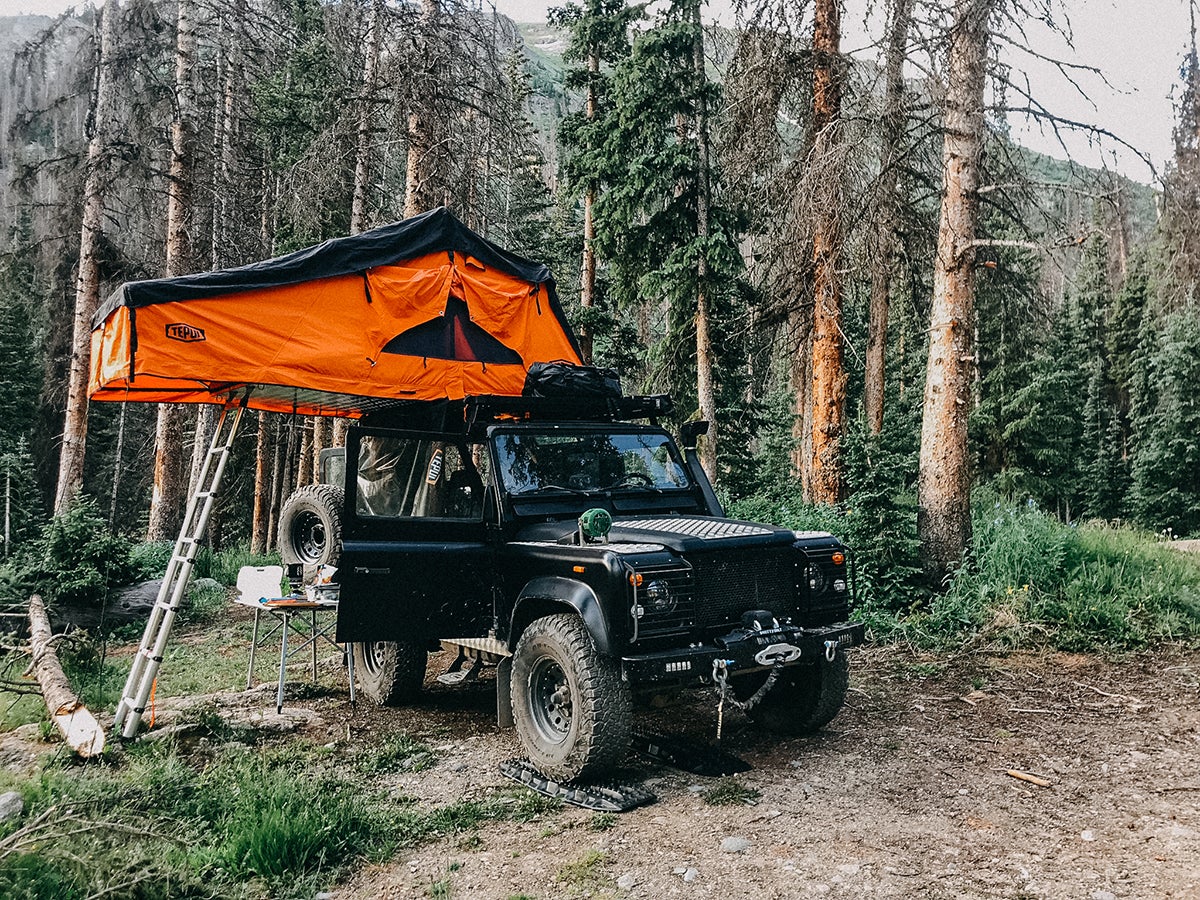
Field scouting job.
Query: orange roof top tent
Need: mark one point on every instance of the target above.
(423, 309)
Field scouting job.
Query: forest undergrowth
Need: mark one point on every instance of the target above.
(233, 816)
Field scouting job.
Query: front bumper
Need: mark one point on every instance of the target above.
(743, 651)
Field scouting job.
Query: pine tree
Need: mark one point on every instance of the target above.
(1166, 473)
(670, 243)
(599, 40)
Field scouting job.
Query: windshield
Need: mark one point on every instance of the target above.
(588, 461)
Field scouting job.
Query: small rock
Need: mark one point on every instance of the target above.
(679, 870)
(691, 875)
(849, 868)
(1103, 895)
(735, 845)
(461, 767)
(697, 788)
(822, 888)
(1087, 836)
(12, 805)
(626, 881)
(324, 895)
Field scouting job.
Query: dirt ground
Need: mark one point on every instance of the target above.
(906, 794)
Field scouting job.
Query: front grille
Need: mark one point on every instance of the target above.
(730, 583)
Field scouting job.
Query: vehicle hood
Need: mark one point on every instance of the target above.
(683, 534)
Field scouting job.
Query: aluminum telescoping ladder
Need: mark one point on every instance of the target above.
(175, 581)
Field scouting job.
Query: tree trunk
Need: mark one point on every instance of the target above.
(359, 216)
(305, 473)
(259, 531)
(587, 286)
(944, 481)
(320, 441)
(883, 259)
(420, 191)
(705, 364)
(78, 726)
(87, 284)
(166, 505)
(825, 482)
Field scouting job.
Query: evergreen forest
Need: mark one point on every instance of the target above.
(904, 327)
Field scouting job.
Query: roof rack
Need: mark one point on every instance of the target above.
(472, 415)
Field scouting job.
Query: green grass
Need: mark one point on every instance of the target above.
(243, 824)
(397, 753)
(1032, 581)
(731, 792)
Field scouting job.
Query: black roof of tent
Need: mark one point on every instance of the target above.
(435, 231)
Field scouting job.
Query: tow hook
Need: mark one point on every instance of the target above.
(830, 650)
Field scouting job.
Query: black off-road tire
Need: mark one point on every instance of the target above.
(390, 672)
(804, 699)
(310, 527)
(571, 708)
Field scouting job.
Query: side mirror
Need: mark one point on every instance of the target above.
(689, 431)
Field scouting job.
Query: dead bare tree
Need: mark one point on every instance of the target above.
(87, 282)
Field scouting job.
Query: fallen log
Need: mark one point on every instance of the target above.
(79, 727)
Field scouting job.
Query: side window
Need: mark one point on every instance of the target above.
(418, 477)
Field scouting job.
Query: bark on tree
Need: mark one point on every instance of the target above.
(944, 480)
(320, 441)
(883, 260)
(78, 726)
(359, 217)
(825, 482)
(170, 482)
(259, 531)
(587, 286)
(705, 363)
(87, 282)
(420, 191)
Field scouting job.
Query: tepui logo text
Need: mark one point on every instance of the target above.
(180, 331)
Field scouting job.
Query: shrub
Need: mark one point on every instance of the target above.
(76, 559)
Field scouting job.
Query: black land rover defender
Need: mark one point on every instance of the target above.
(581, 554)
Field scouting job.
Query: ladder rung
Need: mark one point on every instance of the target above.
(166, 607)
(204, 493)
(182, 559)
(150, 656)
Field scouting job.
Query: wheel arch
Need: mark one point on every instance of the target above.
(547, 595)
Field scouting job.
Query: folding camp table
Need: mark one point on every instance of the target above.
(259, 589)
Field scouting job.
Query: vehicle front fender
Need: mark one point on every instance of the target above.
(551, 593)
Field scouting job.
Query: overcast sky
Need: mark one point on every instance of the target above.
(1138, 44)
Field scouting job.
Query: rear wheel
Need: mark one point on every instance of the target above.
(390, 672)
(310, 527)
(569, 703)
(804, 698)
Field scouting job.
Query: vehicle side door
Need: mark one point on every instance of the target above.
(416, 561)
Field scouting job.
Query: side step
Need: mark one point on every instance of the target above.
(688, 756)
(599, 797)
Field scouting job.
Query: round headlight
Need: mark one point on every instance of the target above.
(657, 597)
(815, 578)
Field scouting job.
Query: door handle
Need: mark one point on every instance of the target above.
(367, 570)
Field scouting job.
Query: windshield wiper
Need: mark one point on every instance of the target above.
(553, 487)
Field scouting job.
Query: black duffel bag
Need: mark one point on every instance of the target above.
(563, 379)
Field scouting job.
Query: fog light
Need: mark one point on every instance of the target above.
(657, 596)
(839, 585)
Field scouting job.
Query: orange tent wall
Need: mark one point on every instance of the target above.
(325, 336)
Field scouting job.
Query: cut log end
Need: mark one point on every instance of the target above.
(77, 725)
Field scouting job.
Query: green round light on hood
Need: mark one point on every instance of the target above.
(595, 523)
